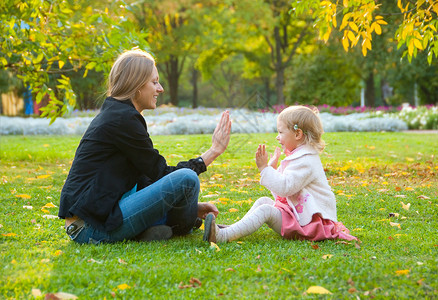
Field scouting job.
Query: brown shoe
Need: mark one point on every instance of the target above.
(210, 228)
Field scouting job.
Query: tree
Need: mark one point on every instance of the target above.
(359, 19)
(174, 28)
(39, 38)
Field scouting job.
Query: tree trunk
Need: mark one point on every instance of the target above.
(195, 74)
(370, 96)
(172, 79)
(266, 81)
(279, 67)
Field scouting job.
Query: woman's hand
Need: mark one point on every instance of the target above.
(273, 162)
(220, 139)
(261, 157)
(204, 208)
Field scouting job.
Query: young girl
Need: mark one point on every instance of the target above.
(304, 206)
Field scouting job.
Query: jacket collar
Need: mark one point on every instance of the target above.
(301, 151)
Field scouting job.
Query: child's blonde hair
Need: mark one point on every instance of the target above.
(306, 119)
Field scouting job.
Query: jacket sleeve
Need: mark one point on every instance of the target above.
(294, 178)
(132, 138)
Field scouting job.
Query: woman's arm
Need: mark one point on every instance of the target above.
(220, 139)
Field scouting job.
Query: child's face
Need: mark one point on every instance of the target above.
(286, 137)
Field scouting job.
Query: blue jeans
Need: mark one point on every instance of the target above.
(172, 200)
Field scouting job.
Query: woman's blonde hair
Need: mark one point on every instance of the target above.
(306, 119)
(129, 73)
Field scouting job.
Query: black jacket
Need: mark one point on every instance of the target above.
(114, 154)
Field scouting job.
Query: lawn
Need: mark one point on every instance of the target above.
(386, 187)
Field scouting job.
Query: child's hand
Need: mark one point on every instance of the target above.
(261, 157)
(273, 162)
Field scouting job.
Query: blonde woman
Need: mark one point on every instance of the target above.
(119, 186)
(304, 206)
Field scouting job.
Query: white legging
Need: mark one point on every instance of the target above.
(263, 211)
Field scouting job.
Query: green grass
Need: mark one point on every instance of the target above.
(371, 174)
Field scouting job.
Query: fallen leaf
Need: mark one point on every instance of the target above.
(423, 197)
(57, 253)
(49, 205)
(36, 293)
(229, 270)
(27, 207)
(315, 246)
(214, 246)
(123, 286)
(233, 210)
(193, 283)
(63, 296)
(9, 234)
(24, 196)
(327, 256)
(400, 196)
(402, 272)
(50, 217)
(405, 206)
(395, 225)
(398, 189)
(43, 176)
(408, 188)
(259, 269)
(121, 261)
(352, 290)
(317, 290)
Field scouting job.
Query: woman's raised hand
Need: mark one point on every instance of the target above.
(221, 135)
(220, 139)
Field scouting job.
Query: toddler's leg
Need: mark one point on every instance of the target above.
(249, 224)
(260, 201)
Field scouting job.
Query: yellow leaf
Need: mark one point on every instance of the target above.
(353, 26)
(395, 225)
(49, 205)
(43, 176)
(24, 196)
(345, 43)
(345, 3)
(405, 206)
(9, 234)
(409, 188)
(402, 272)
(377, 28)
(411, 48)
(317, 290)
(418, 44)
(60, 63)
(123, 286)
(233, 210)
(57, 253)
(351, 36)
(46, 145)
(45, 210)
(214, 246)
(327, 256)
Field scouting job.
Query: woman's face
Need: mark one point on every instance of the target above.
(146, 97)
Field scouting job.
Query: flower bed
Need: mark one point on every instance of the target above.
(171, 120)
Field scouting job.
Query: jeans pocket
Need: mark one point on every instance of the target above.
(77, 233)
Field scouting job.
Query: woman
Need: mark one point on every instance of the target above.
(119, 187)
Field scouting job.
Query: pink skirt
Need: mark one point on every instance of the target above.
(317, 230)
